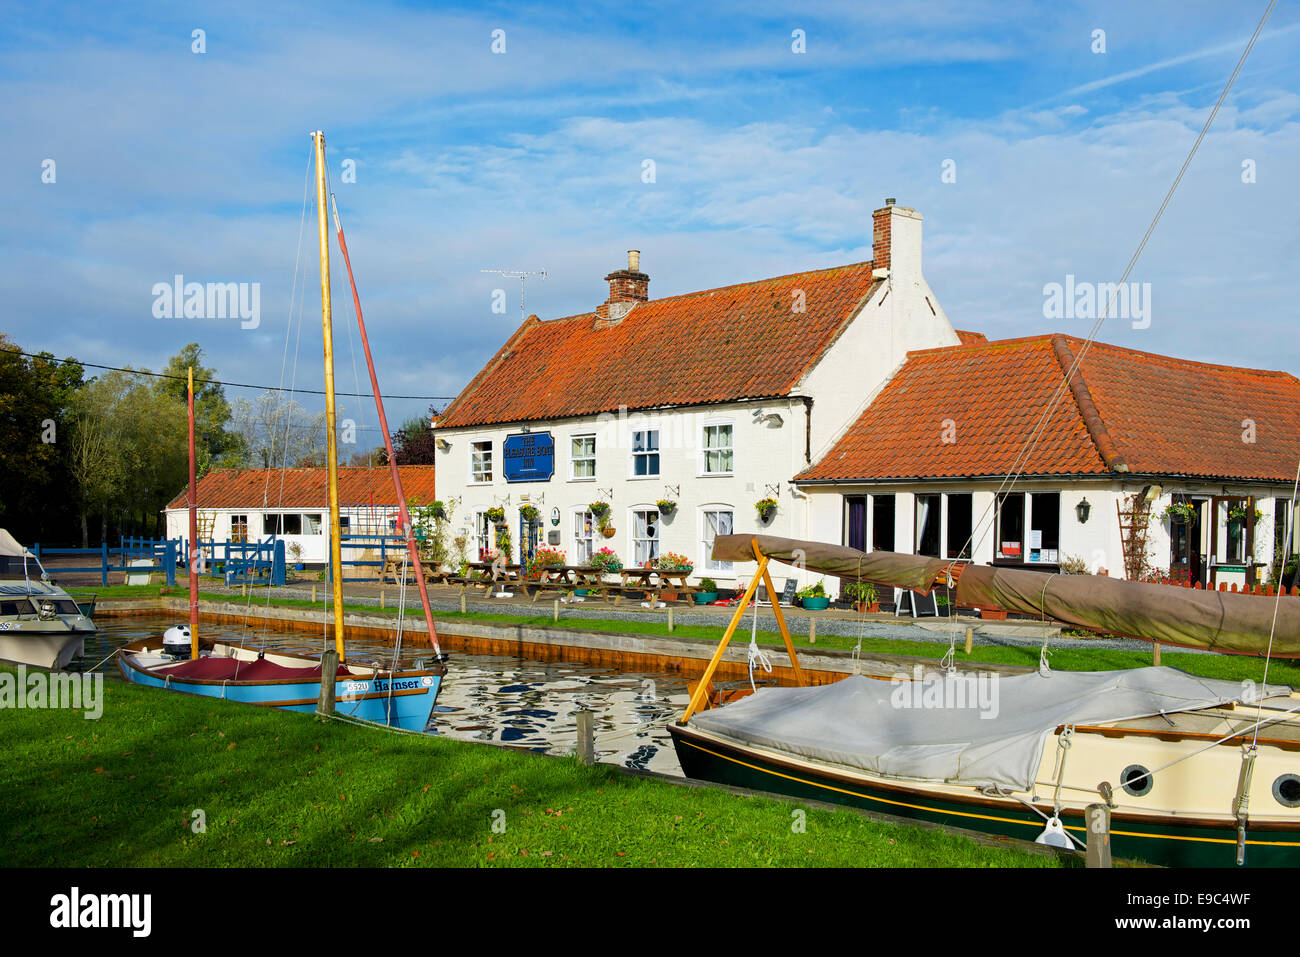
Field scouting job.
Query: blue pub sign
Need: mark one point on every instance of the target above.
(529, 457)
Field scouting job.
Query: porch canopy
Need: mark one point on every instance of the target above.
(1217, 621)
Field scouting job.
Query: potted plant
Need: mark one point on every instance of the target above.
(1181, 513)
(1238, 513)
(295, 555)
(673, 562)
(766, 508)
(666, 507)
(496, 515)
(529, 514)
(708, 591)
(437, 510)
(813, 598)
(863, 596)
(545, 557)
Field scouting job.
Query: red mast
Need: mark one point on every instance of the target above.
(194, 529)
(404, 516)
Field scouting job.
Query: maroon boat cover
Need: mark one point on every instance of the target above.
(229, 669)
(1215, 620)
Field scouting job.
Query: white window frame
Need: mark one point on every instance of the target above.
(583, 515)
(706, 563)
(657, 452)
(1027, 527)
(247, 528)
(484, 539)
(652, 541)
(474, 476)
(574, 459)
(703, 470)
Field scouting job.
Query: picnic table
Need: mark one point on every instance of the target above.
(653, 581)
(487, 574)
(568, 579)
(393, 566)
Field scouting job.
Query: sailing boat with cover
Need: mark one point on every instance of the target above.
(398, 697)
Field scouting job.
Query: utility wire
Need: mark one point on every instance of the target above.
(233, 385)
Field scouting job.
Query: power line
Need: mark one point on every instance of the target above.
(233, 385)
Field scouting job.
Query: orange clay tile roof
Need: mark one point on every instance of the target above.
(737, 342)
(970, 338)
(1126, 411)
(308, 487)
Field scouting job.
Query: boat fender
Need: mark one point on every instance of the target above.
(1054, 834)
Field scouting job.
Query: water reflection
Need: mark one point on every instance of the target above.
(495, 698)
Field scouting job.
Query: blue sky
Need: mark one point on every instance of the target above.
(766, 162)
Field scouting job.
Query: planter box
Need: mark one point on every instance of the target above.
(815, 604)
(704, 597)
(873, 608)
(993, 614)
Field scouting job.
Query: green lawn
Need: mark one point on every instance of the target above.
(283, 789)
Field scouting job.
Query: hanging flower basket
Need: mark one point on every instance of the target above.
(1181, 513)
(529, 514)
(599, 509)
(496, 515)
(766, 509)
(666, 507)
(609, 531)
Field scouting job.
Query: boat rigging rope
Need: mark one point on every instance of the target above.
(757, 657)
(1044, 669)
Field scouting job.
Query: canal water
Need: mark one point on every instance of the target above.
(493, 698)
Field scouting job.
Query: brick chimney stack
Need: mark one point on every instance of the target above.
(896, 239)
(630, 284)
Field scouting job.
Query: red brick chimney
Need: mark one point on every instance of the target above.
(896, 240)
(627, 285)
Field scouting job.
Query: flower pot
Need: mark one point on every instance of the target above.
(704, 597)
(993, 614)
(668, 596)
(582, 591)
(609, 531)
(298, 566)
(873, 608)
(815, 602)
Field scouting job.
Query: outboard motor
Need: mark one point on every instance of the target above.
(47, 611)
(176, 641)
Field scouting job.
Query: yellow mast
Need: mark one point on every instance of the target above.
(331, 439)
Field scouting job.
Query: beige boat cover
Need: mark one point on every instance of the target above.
(9, 547)
(1215, 620)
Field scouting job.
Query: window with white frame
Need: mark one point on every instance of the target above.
(239, 528)
(645, 453)
(311, 523)
(584, 524)
(645, 535)
(718, 449)
(1029, 526)
(583, 456)
(480, 462)
(716, 520)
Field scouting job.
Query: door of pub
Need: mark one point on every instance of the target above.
(1186, 558)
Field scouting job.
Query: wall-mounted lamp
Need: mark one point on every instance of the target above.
(443, 444)
(1082, 510)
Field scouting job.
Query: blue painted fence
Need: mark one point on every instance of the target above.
(165, 553)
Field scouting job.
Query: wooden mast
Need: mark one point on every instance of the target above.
(331, 437)
(194, 528)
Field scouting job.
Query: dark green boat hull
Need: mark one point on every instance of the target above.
(1168, 845)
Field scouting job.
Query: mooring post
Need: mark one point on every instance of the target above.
(329, 669)
(812, 631)
(313, 594)
(1155, 656)
(970, 639)
(243, 589)
(462, 603)
(555, 614)
(1097, 817)
(381, 596)
(586, 737)
(670, 619)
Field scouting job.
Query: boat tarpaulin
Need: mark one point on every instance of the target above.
(1215, 620)
(9, 547)
(976, 729)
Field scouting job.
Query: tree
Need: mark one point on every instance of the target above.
(38, 495)
(413, 443)
(216, 445)
(277, 431)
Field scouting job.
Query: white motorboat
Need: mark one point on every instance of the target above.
(40, 623)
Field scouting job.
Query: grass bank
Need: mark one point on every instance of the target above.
(283, 789)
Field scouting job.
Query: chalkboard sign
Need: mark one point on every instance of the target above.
(787, 596)
(915, 602)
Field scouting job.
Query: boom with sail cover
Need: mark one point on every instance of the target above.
(1217, 621)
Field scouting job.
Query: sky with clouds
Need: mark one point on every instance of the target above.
(767, 162)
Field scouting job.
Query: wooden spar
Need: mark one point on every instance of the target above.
(331, 436)
(702, 690)
(404, 515)
(194, 528)
(780, 617)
